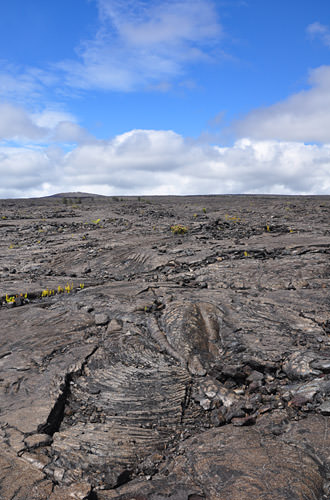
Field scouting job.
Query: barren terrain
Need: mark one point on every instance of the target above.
(140, 363)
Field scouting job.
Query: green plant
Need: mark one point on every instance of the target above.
(179, 229)
(204, 210)
(68, 287)
(11, 299)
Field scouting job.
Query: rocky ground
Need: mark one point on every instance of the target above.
(140, 363)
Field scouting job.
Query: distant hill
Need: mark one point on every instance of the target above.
(77, 194)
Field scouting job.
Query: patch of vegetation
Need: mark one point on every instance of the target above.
(22, 298)
(15, 299)
(179, 229)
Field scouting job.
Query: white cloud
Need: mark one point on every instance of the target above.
(50, 118)
(22, 170)
(304, 116)
(318, 30)
(48, 126)
(69, 132)
(163, 162)
(142, 44)
(168, 22)
(15, 123)
(137, 45)
(24, 84)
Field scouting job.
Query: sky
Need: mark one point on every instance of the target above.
(166, 97)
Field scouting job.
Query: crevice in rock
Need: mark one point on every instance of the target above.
(56, 415)
(123, 478)
(186, 401)
(92, 495)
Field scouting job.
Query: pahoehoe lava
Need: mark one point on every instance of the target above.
(136, 363)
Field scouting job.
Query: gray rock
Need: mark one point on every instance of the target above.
(101, 319)
(37, 440)
(325, 408)
(114, 326)
(322, 364)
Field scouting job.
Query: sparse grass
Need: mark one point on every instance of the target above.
(11, 299)
(179, 229)
(47, 292)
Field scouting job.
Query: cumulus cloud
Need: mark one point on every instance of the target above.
(69, 132)
(318, 30)
(22, 170)
(17, 125)
(141, 44)
(304, 116)
(50, 118)
(163, 162)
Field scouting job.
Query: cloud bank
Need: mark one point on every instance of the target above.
(163, 162)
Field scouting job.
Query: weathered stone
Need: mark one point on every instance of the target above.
(114, 326)
(325, 408)
(101, 319)
(78, 491)
(37, 440)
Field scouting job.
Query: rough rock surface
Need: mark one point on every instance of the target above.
(136, 363)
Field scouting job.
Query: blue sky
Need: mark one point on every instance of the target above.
(164, 97)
